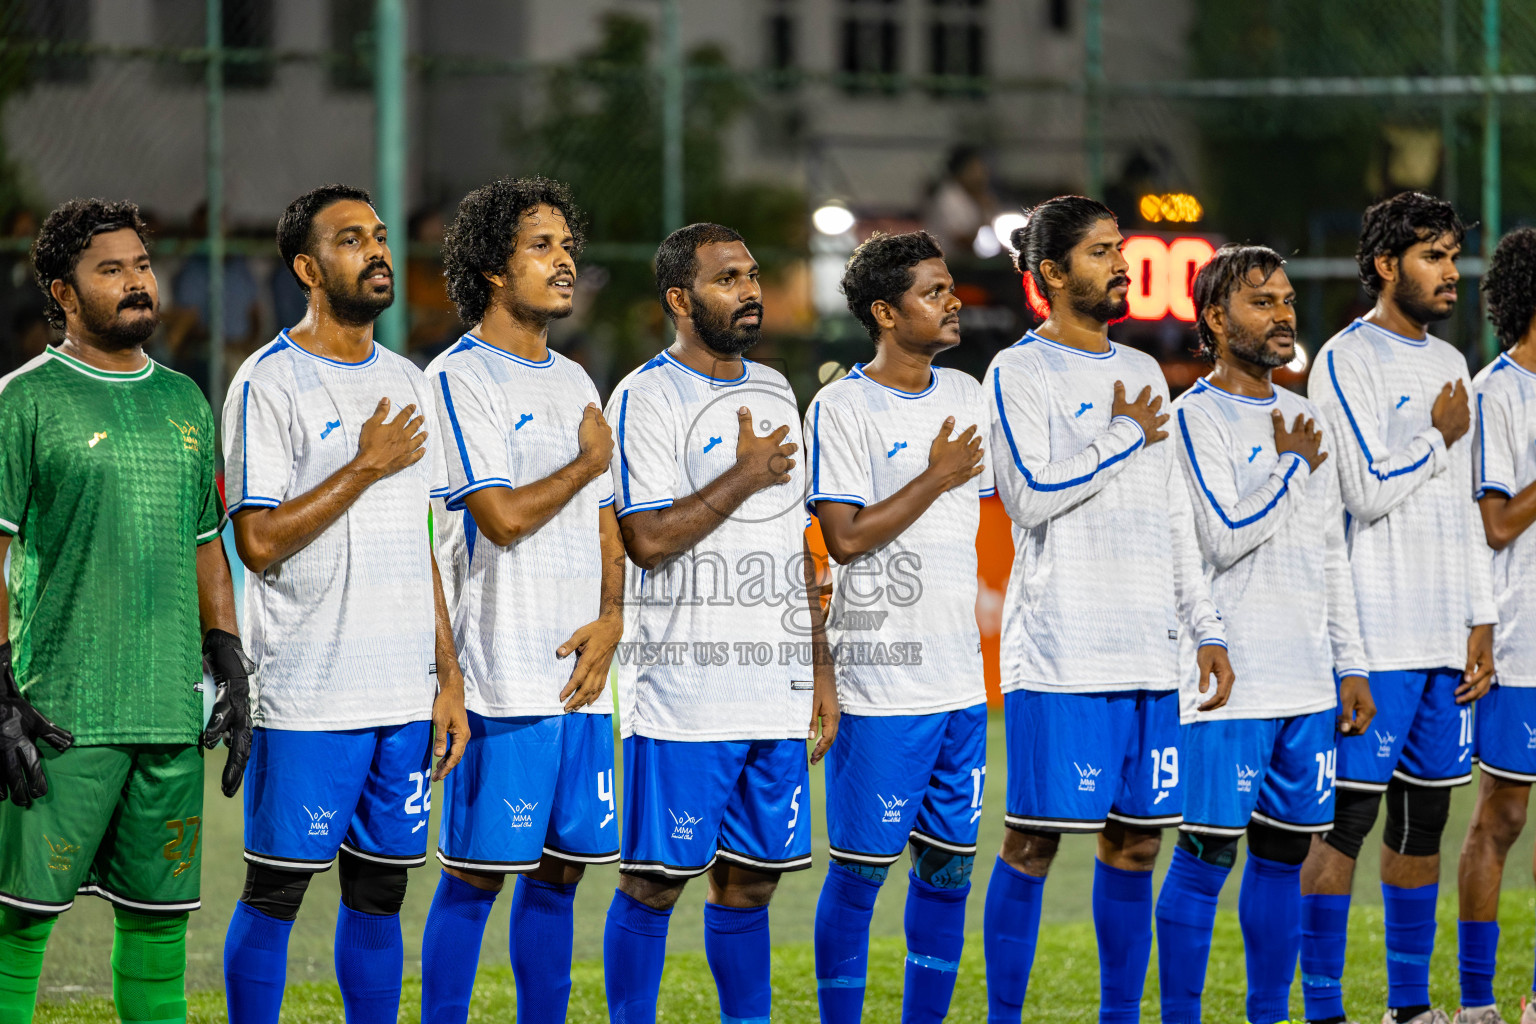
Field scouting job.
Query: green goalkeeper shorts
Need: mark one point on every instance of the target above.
(121, 822)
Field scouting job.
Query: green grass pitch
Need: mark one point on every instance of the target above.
(76, 983)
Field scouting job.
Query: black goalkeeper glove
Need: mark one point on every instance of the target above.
(21, 769)
(231, 718)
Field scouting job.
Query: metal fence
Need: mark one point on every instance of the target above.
(1285, 119)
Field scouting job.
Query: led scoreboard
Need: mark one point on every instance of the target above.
(1163, 269)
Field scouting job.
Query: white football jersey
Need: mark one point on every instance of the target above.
(1272, 534)
(507, 422)
(1505, 461)
(903, 617)
(1416, 543)
(717, 640)
(343, 630)
(1106, 569)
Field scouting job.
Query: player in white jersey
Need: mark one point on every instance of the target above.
(344, 613)
(1106, 586)
(536, 584)
(896, 470)
(1270, 521)
(1504, 474)
(1394, 405)
(723, 661)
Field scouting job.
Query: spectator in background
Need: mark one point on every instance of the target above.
(21, 305)
(963, 201)
(187, 321)
(434, 320)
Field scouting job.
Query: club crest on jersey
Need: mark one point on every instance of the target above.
(522, 812)
(1402, 402)
(98, 437)
(892, 812)
(527, 417)
(710, 445)
(1245, 777)
(330, 426)
(189, 440)
(1384, 741)
(898, 446)
(1087, 777)
(1082, 409)
(1255, 453)
(62, 850)
(682, 824)
(1530, 736)
(319, 821)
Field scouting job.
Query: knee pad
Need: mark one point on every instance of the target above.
(941, 869)
(1217, 851)
(1354, 815)
(274, 892)
(869, 872)
(1280, 845)
(369, 887)
(1416, 818)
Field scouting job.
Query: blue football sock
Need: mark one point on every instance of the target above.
(737, 947)
(1324, 929)
(1477, 951)
(450, 949)
(255, 965)
(543, 928)
(1122, 920)
(1269, 910)
(935, 924)
(1186, 913)
(1010, 929)
(1410, 918)
(842, 943)
(370, 958)
(634, 952)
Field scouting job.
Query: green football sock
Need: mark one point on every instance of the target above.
(149, 968)
(23, 937)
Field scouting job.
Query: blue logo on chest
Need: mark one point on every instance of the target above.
(526, 417)
(1082, 409)
(1402, 401)
(328, 428)
(1255, 453)
(710, 446)
(898, 447)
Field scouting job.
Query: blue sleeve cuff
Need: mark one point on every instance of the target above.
(645, 506)
(252, 501)
(1213, 642)
(988, 492)
(606, 502)
(845, 499)
(456, 498)
(1489, 487)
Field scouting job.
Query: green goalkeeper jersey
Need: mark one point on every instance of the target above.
(107, 484)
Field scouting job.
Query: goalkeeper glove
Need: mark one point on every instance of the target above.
(231, 718)
(21, 769)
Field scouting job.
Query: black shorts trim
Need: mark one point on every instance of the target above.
(1019, 823)
(1360, 787)
(489, 867)
(1226, 831)
(1291, 826)
(1162, 821)
(656, 867)
(1459, 780)
(1506, 774)
(948, 846)
(149, 907)
(39, 908)
(288, 863)
(611, 857)
(879, 860)
(790, 864)
(384, 858)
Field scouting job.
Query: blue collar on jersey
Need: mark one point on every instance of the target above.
(373, 353)
(1504, 360)
(933, 382)
(672, 360)
(1030, 336)
(548, 360)
(1205, 384)
(1361, 321)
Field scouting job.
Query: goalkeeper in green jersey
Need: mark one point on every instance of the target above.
(118, 590)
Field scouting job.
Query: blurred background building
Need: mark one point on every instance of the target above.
(804, 123)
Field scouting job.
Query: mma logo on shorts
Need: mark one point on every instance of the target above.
(682, 825)
(320, 821)
(522, 813)
(893, 806)
(1245, 776)
(62, 850)
(1384, 741)
(1530, 736)
(1087, 777)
